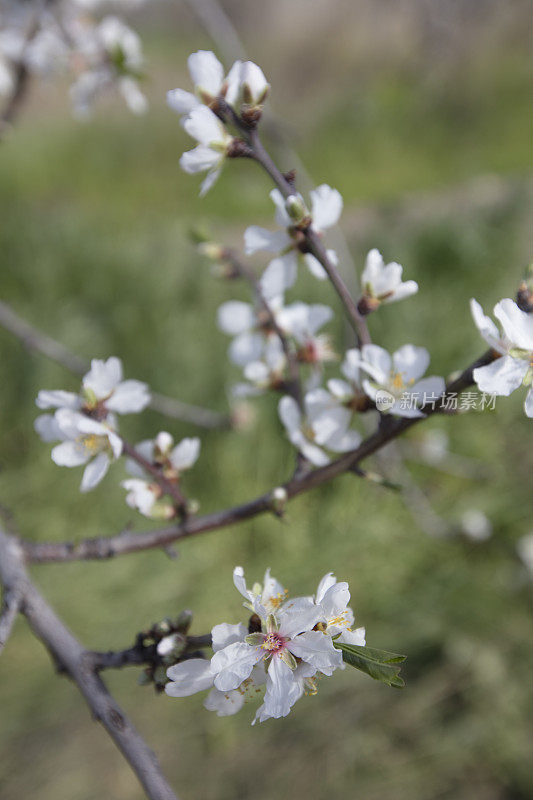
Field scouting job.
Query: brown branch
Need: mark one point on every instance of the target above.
(10, 609)
(131, 542)
(36, 341)
(71, 657)
(141, 654)
(313, 241)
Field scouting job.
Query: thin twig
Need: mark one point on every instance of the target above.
(38, 342)
(76, 662)
(169, 487)
(314, 244)
(141, 654)
(131, 542)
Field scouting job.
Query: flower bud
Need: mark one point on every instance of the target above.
(278, 500)
(170, 648)
(163, 627)
(211, 250)
(296, 208)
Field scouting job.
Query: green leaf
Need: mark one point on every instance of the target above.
(379, 664)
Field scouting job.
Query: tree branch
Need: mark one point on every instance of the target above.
(10, 609)
(36, 341)
(76, 662)
(131, 542)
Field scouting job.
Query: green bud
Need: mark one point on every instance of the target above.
(211, 250)
(160, 676)
(163, 628)
(296, 208)
(145, 678)
(278, 499)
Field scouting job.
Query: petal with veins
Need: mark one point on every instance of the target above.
(189, 677)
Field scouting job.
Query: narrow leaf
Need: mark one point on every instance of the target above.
(379, 664)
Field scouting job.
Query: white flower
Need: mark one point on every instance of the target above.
(195, 675)
(382, 283)
(207, 75)
(394, 383)
(213, 139)
(121, 42)
(515, 346)
(171, 459)
(241, 321)
(325, 425)
(103, 390)
(280, 644)
(302, 321)
(145, 498)
(83, 441)
(326, 208)
(266, 372)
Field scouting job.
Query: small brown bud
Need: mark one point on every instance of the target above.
(524, 298)
(238, 148)
(254, 624)
(367, 305)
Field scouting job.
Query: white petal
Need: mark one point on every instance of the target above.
(225, 634)
(487, 328)
(232, 665)
(252, 76)
(282, 689)
(245, 348)
(47, 428)
(411, 362)
(374, 266)
(181, 102)
(501, 377)
(326, 205)
(315, 267)
(326, 583)
(528, 404)
(94, 472)
(189, 677)
(299, 620)
(236, 317)
(289, 413)
(129, 397)
(517, 324)
(317, 649)
(206, 71)
(240, 583)
(428, 389)
(259, 239)
(351, 364)
(199, 159)
(402, 291)
(103, 376)
(204, 126)
(69, 454)
(356, 637)
(280, 274)
(209, 181)
(376, 361)
(335, 600)
(224, 703)
(282, 217)
(57, 399)
(341, 390)
(185, 454)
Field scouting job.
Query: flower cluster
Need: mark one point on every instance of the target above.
(513, 366)
(286, 647)
(63, 38)
(244, 90)
(85, 424)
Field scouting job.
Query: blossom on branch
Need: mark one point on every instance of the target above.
(382, 283)
(213, 144)
(514, 367)
(286, 645)
(86, 423)
(323, 426)
(395, 383)
(290, 243)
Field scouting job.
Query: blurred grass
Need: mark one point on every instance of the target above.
(95, 251)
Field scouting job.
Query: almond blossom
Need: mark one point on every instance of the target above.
(324, 426)
(395, 383)
(514, 367)
(289, 243)
(382, 283)
(83, 441)
(213, 143)
(350, 392)
(103, 390)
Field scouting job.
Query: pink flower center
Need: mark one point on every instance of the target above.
(274, 642)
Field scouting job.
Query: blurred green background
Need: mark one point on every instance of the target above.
(421, 114)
